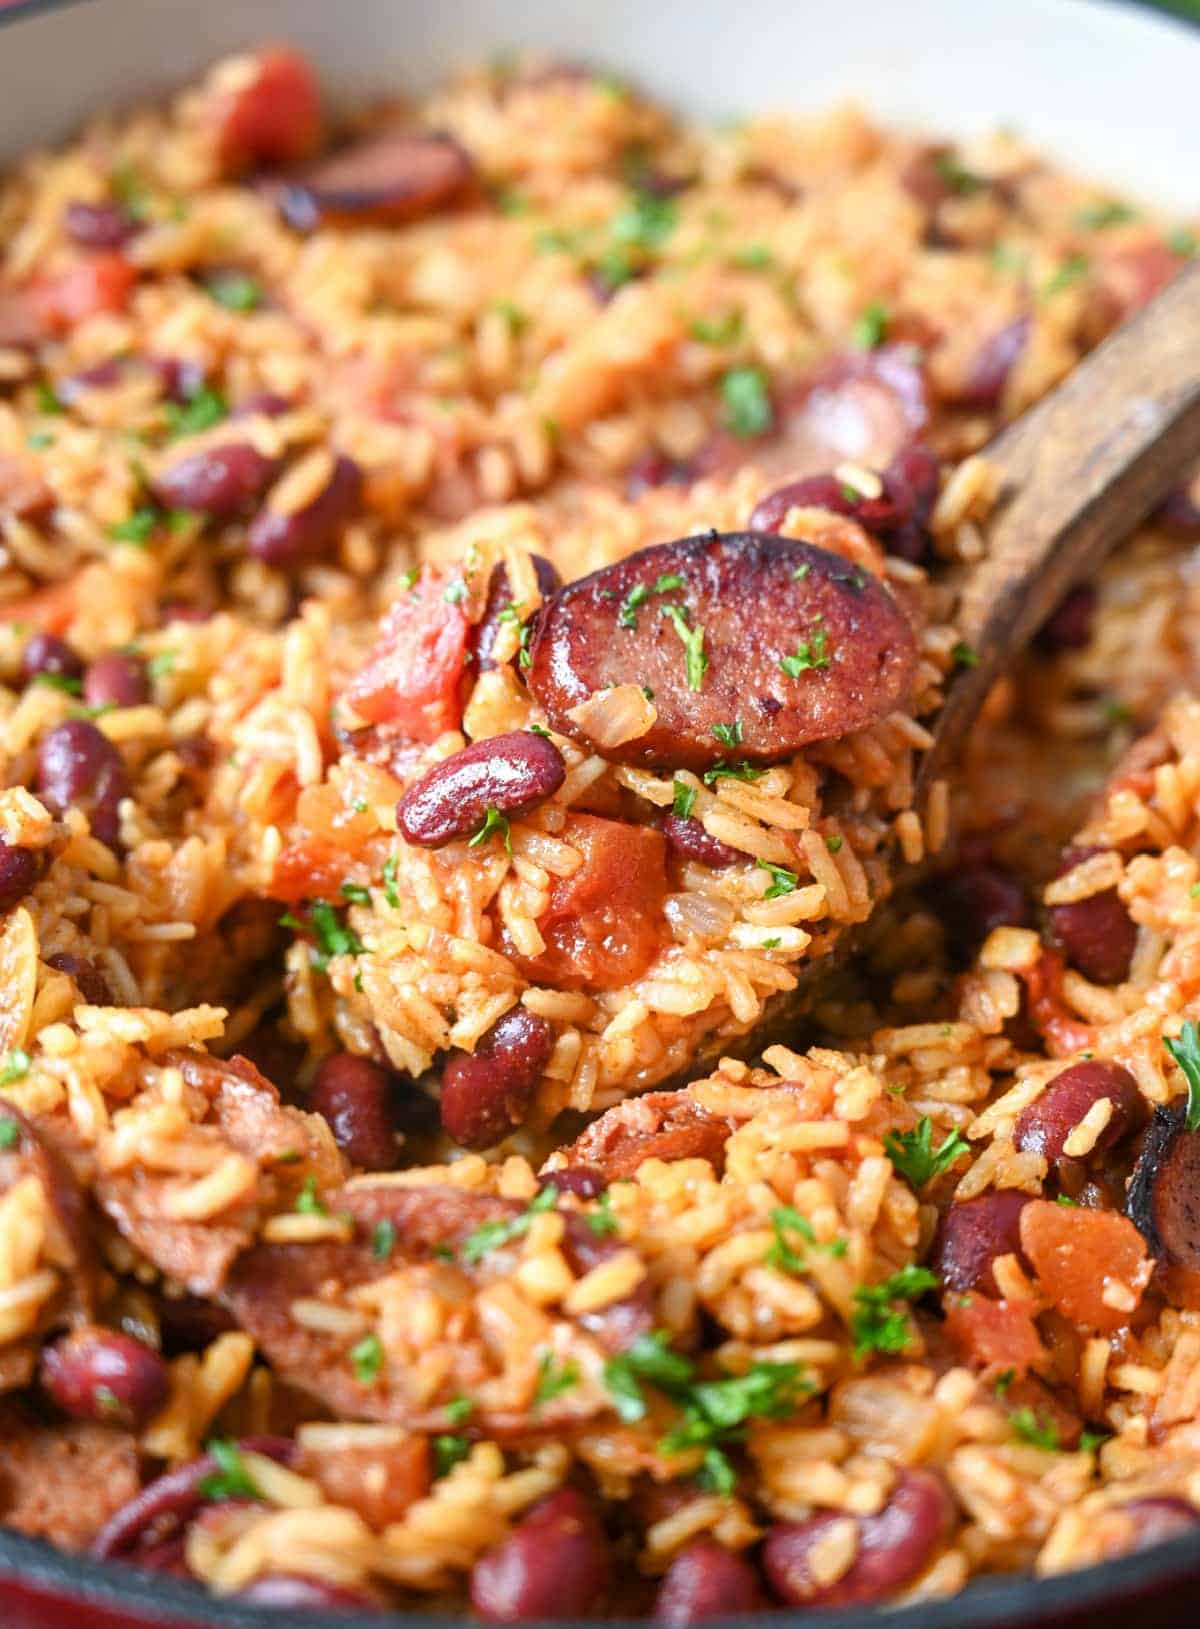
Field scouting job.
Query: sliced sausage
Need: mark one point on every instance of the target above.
(892, 1547)
(500, 601)
(1045, 1125)
(384, 181)
(486, 1093)
(786, 641)
(658, 1126)
(510, 773)
(972, 1234)
(1164, 1192)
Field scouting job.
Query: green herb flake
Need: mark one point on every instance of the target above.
(10, 1133)
(878, 1324)
(137, 527)
(782, 1253)
(732, 772)
(834, 844)
(1089, 1441)
(449, 1451)
(454, 593)
(783, 881)
(1073, 270)
(870, 326)
(333, 937)
(356, 893)
(954, 175)
(1003, 1381)
(200, 412)
(1097, 217)
(754, 257)
(128, 187)
(646, 223)
(39, 440)
(601, 1221)
(60, 681)
(685, 798)
(383, 1239)
(729, 735)
(812, 655)
(964, 655)
(914, 1156)
(513, 315)
(1183, 242)
(494, 1234)
(1186, 1053)
(459, 1410)
(747, 402)
(554, 1378)
(650, 1358)
(163, 662)
(390, 891)
(695, 659)
(1037, 1432)
(16, 1066)
(724, 330)
(308, 1201)
(236, 291)
(230, 1478)
(494, 824)
(47, 398)
(366, 1358)
(1065, 1199)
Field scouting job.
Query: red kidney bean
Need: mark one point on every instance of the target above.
(172, 610)
(486, 1093)
(820, 492)
(169, 1558)
(1098, 935)
(101, 376)
(707, 1581)
(19, 871)
(655, 469)
(1161, 1200)
(689, 838)
(165, 1506)
(992, 364)
(79, 768)
(1069, 625)
(268, 403)
(583, 1181)
(972, 1233)
(897, 516)
(893, 1546)
(179, 377)
(554, 1564)
(354, 1095)
(975, 900)
(619, 1324)
(510, 773)
(47, 653)
(1157, 1520)
(499, 599)
(283, 1589)
(762, 602)
(102, 1375)
(116, 680)
(218, 481)
(1045, 1125)
(308, 532)
(98, 226)
(386, 179)
(91, 983)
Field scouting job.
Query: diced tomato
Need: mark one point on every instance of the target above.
(1065, 1033)
(1091, 1264)
(309, 869)
(994, 1334)
(413, 676)
(604, 924)
(63, 300)
(273, 115)
(52, 609)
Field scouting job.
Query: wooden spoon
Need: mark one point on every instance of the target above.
(1078, 472)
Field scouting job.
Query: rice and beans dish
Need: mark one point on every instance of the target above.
(479, 580)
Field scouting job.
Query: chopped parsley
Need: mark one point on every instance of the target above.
(553, 1379)
(199, 412)
(695, 659)
(333, 937)
(129, 189)
(834, 844)
(1029, 1428)
(783, 881)
(649, 1357)
(964, 655)
(65, 682)
(955, 175)
(1089, 1441)
(1073, 269)
(236, 290)
(684, 800)
(1183, 242)
(454, 593)
(230, 1478)
(641, 592)
(449, 1451)
(716, 330)
(47, 398)
(10, 1133)
(729, 735)
(1110, 213)
(459, 1410)
(914, 1156)
(785, 1220)
(308, 1201)
(646, 223)
(754, 257)
(870, 326)
(1186, 1052)
(878, 1324)
(390, 892)
(512, 314)
(367, 1358)
(383, 1239)
(747, 401)
(356, 893)
(601, 1221)
(164, 662)
(732, 772)
(1065, 1199)
(1003, 1381)
(15, 1066)
(137, 527)
(494, 824)
(812, 655)
(494, 1234)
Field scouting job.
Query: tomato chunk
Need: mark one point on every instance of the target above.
(413, 676)
(1091, 1264)
(309, 869)
(604, 924)
(267, 109)
(63, 300)
(993, 1334)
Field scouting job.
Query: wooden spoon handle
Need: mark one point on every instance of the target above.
(1079, 471)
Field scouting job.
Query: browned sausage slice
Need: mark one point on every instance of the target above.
(660, 1126)
(386, 180)
(751, 646)
(1164, 1192)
